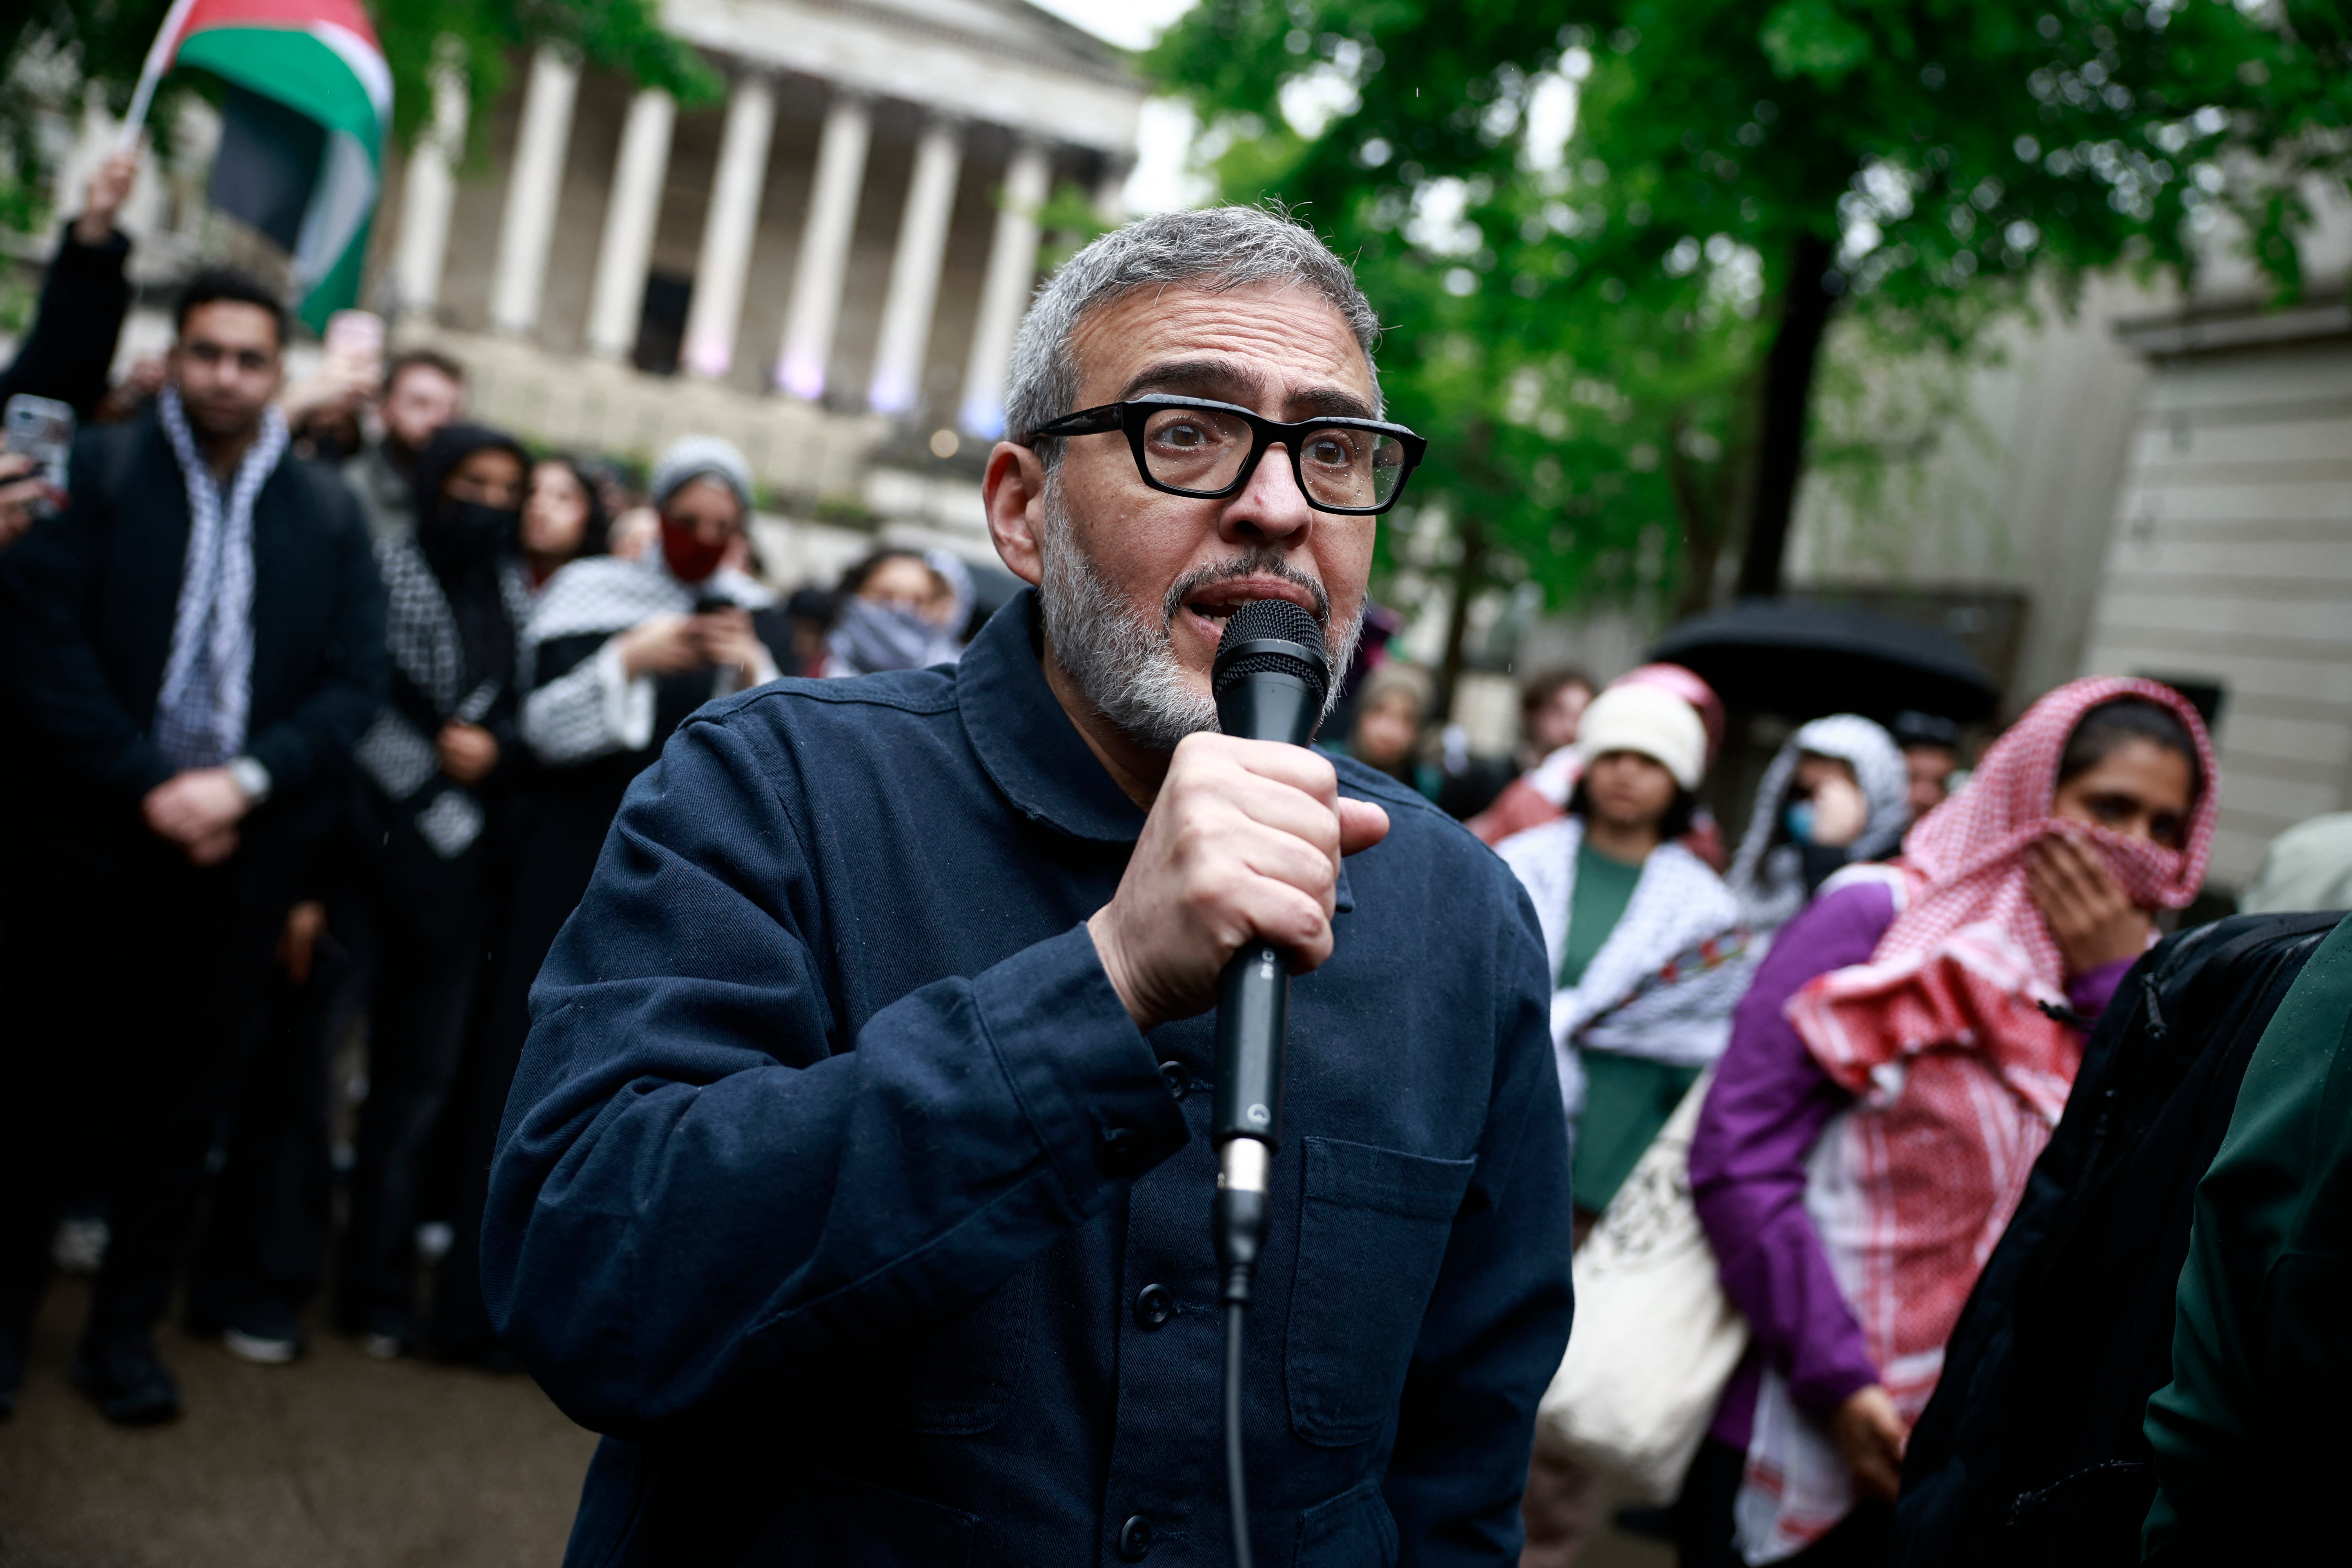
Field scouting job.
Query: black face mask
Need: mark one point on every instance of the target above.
(476, 526)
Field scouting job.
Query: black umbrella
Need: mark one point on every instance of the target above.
(1801, 660)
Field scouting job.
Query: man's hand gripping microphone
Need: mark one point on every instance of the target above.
(1270, 678)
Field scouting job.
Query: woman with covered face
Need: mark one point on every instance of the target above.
(620, 652)
(1896, 1065)
(1835, 794)
(434, 768)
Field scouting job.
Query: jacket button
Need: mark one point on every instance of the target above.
(1177, 1077)
(1119, 1152)
(1154, 1305)
(1135, 1540)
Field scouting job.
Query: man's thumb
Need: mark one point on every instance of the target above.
(1362, 824)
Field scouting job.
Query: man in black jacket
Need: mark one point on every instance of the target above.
(190, 649)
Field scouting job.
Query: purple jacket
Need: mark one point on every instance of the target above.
(1769, 1104)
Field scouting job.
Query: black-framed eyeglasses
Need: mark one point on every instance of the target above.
(1192, 447)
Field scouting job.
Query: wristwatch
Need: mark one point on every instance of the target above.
(251, 779)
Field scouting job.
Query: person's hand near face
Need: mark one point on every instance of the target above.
(2140, 790)
(1244, 837)
(1841, 811)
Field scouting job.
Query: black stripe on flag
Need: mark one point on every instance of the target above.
(267, 166)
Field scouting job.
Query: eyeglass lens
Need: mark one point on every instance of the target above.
(1203, 449)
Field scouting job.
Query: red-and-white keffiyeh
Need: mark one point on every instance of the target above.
(1960, 1076)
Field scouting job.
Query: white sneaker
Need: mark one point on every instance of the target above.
(79, 1246)
(258, 1350)
(434, 1240)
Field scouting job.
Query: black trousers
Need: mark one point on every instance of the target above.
(426, 954)
(268, 1224)
(133, 984)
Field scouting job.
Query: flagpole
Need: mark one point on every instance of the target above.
(159, 58)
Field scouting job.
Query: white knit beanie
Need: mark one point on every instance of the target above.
(1644, 719)
(695, 457)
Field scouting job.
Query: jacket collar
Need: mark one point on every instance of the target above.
(1030, 748)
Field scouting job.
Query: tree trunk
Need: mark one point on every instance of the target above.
(1781, 438)
(1469, 577)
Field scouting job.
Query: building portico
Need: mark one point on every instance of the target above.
(837, 251)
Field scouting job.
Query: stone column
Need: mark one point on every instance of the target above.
(905, 342)
(815, 309)
(630, 220)
(527, 225)
(726, 259)
(429, 190)
(1004, 296)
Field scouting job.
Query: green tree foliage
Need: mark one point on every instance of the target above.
(1611, 342)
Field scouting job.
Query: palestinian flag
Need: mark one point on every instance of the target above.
(304, 122)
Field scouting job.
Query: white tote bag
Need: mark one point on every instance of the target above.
(1656, 1341)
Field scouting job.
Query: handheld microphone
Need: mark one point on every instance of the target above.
(1270, 678)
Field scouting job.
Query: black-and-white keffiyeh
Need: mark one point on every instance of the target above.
(1663, 985)
(595, 710)
(201, 711)
(421, 634)
(1767, 875)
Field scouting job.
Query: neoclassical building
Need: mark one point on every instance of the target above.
(828, 266)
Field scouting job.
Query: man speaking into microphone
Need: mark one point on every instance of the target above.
(856, 1179)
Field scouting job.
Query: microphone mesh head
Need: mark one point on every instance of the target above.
(1271, 620)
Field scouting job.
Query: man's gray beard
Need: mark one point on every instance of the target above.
(1123, 659)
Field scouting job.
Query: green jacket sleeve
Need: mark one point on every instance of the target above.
(2250, 1436)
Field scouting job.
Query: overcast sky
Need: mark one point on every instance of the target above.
(1161, 139)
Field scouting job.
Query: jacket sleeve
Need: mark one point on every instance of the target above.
(49, 584)
(703, 1189)
(1763, 1113)
(310, 746)
(70, 348)
(1496, 1328)
(2248, 1439)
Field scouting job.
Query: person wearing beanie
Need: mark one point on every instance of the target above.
(1645, 944)
(1640, 933)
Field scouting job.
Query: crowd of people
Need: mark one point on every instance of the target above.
(295, 744)
(325, 699)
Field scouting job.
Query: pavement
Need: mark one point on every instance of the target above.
(336, 1461)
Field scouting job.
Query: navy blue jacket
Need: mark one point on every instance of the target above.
(839, 1190)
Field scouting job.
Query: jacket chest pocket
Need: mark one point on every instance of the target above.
(960, 1377)
(1371, 1238)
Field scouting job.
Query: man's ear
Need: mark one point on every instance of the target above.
(1013, 492)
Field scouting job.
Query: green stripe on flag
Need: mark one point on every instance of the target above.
(296, 68)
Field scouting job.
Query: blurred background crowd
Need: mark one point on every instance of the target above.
(1839, 409)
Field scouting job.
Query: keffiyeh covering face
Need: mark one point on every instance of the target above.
(1769, 877)
(1959, 1076)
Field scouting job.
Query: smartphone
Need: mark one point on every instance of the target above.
(712, 604)
(43, 429)
(354, 341)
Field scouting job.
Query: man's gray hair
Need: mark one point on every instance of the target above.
(1214, 249)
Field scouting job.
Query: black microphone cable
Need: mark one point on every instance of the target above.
(1270, 677)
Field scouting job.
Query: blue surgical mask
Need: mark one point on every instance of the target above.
(1798, 820)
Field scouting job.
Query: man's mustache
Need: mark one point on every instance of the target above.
(1260, 562)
